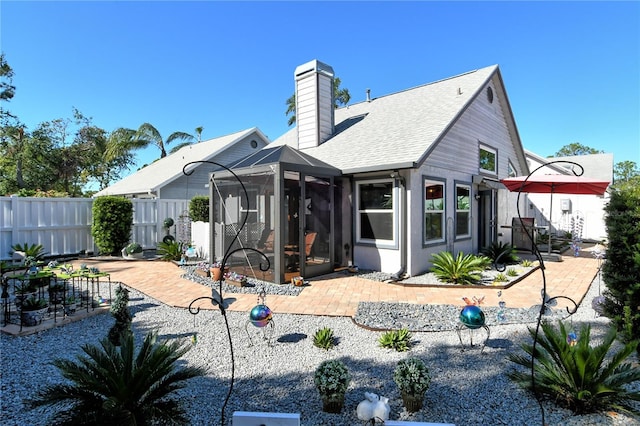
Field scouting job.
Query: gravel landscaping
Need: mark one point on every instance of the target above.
(468, 387)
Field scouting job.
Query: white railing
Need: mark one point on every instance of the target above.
(63, 225)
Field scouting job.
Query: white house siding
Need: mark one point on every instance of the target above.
(314, 113)
(187, 187)
(456, 159)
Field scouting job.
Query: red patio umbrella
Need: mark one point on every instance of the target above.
(555, 184)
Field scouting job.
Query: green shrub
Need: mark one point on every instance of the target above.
(412, 376)
(34, 250)
(576, 375)
(324, 338)
(111, 224)
(110, 385)
(501, 253)
(512, 272)
(621, 271)
(170, 250)
(398, 340)
(133, 248)
(464, 269)
(199, 208)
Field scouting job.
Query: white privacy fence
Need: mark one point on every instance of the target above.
(63, 225)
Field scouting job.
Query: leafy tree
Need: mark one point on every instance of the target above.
(110, 385)
(625, 171)
(127, 140)
(7, 89)
(340, 96)
(576, 148)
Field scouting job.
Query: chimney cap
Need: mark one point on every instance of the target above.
(313, 66)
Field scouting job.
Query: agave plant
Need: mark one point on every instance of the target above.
(500, 252)
(324, 338)
(114, 385)
(463, 269)
(398, 340)
(576, 375)
(34, 250)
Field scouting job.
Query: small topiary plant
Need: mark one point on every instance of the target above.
(120, 311)
(324, 338)
(398, 340)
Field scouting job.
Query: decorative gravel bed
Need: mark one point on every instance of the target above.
(468, 387)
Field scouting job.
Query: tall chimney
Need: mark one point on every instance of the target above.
(314, 103)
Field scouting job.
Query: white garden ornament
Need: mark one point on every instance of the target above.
(373, 407)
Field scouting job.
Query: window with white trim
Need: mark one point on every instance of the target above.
(434, 211)
(463, 210)
(511, 170)
(488, 160)
(375, 221)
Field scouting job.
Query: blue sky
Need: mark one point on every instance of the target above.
(571, 69)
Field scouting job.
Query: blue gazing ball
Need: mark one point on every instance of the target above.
(260, 315)
(472, 316)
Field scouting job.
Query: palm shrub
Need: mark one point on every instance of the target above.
(501, 253)
(324, 338)
(115, 385)
(576, 375)
(169, 250)
(30, 250)
(398, 340)
(463, 269)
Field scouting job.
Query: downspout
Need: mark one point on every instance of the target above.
(403, 227)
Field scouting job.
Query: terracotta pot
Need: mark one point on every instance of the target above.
(412, 403)
(216, 274)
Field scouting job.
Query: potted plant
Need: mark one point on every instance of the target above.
(216, 271)
(202, 269)
(412, 378)
(56, 293)
(24, 291)
(332, 379)
(32, 311)
(70, 304)
(132, 251)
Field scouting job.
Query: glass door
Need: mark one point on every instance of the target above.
(316, 243)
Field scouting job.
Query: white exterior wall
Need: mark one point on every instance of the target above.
(456, 159)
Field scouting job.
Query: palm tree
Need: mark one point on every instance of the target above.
(124, 140)
(113, 385)
(340, 97)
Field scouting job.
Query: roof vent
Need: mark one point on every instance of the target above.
(368, 95)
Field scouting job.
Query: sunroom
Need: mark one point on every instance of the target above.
(274, 217)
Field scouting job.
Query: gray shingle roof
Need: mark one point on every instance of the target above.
(396, 130)
(159, 173)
